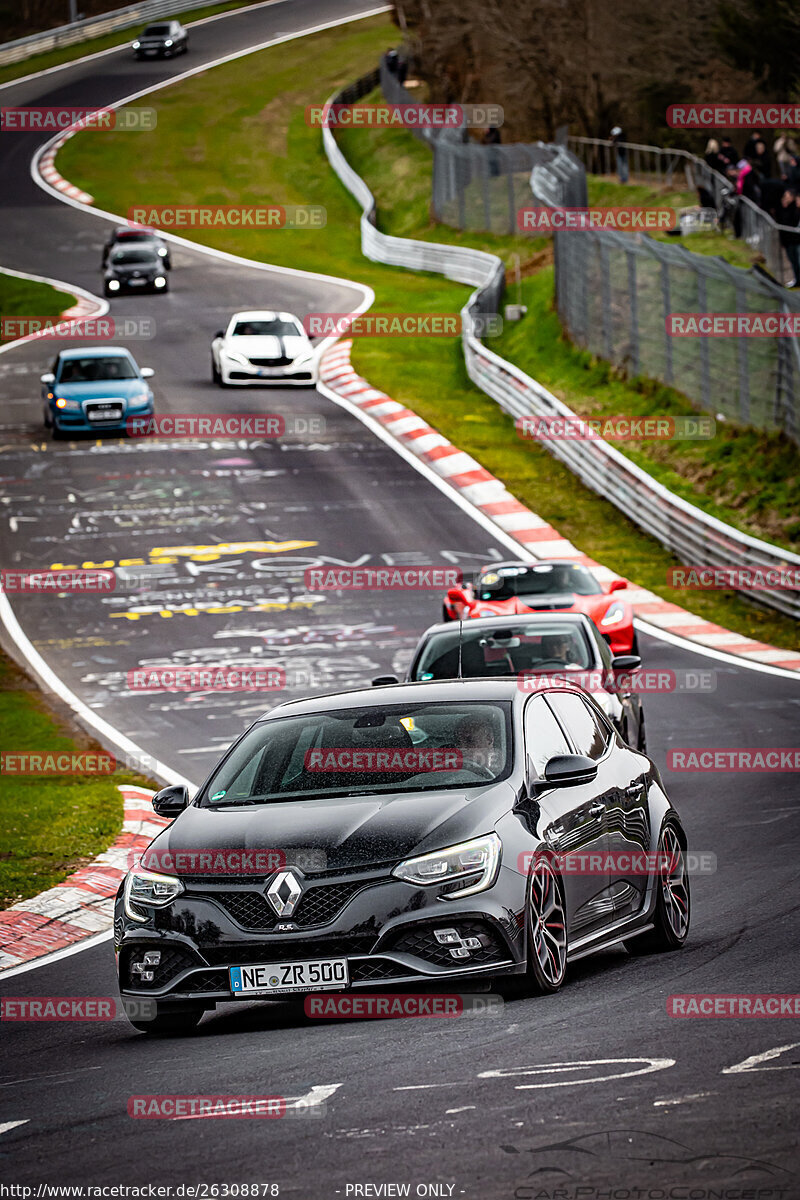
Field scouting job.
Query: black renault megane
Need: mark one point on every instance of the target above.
(423, 833)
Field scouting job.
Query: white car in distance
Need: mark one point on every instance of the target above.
(263, 347)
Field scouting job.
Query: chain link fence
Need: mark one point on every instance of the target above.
(480, 188)
(615, 293)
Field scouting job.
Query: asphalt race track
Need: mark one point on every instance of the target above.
(597, 1084)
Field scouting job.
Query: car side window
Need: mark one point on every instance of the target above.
(544, 737)
(602, 647)
(588, 732)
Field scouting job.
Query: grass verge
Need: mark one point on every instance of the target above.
(202, 152)
(122, 37)
(27, 298)
(49, 826)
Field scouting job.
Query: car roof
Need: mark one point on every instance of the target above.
(434, 691)
(539, 562)
(510, 621)
(96, 352)
(264, 315)
(129, 229)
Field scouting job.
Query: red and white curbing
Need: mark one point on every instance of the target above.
(83, 905)
(47, 169)
(534, 535)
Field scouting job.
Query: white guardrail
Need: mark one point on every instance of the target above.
(690, 534)
(92, 27)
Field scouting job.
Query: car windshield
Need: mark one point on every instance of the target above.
(89, 370)
(363, 751)
(135, 237)
(128, 257)
(541, 579)
(265, 329)
(508, 651)
(156, 31)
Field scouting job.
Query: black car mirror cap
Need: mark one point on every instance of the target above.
(219, 334)
(171, 801)
(380, 680)
(565, 769)
(625, 662)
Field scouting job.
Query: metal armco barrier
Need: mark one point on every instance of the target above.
(92, 27)
(692, 535)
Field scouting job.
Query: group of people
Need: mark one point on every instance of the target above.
(768, 178)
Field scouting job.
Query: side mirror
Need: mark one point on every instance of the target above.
(220, 333)
(380, 680)
(48, 378)
(565, 769)
(617, 585)
(457, 596)
(625, 662)
(147, 372)
(171, 801)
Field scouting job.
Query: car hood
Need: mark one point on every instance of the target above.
(268, 347)
(565, 602)
(349, 831)
(132, 268)
(103, 388)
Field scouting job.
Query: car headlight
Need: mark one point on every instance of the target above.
(70, 405)
(136, 45)
(150, 889)
(113, 285)
(168, 42)
(472, 866)
(162, 251)
(138, 400)
(237, 358)
(160, 281)
(614, 614)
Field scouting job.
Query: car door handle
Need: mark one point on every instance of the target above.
(597, 809)
(634, 789)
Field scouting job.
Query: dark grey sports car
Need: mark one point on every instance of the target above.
(419, 833)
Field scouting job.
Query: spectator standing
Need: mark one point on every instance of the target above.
(491, 138)
(617, 141)
(788, 217)
(762, 157)
(728, 156)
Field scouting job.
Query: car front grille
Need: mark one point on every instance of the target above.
(281, 361)
(258, 953)
(318, 906)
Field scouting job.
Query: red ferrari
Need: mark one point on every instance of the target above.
(504, 589)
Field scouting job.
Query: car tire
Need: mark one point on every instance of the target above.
(58, 434)
(445, 614)
(215, 375)
(672, 916)
(641, 741)
(546, 920)
(635, 645)
(170, 1021)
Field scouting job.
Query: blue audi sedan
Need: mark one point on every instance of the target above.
(95, 389)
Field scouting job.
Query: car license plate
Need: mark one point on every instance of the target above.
(273, 979)
(104, 414)
(137, 282)
(264, 371)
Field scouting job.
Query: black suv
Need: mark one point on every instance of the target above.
(162, 40)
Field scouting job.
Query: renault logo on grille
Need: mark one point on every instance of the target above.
(284, 893)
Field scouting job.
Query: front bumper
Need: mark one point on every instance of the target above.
(66, 421)
(385, 928)
(290, 374)
(129, 286)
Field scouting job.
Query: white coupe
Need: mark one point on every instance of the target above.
(263, 347)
